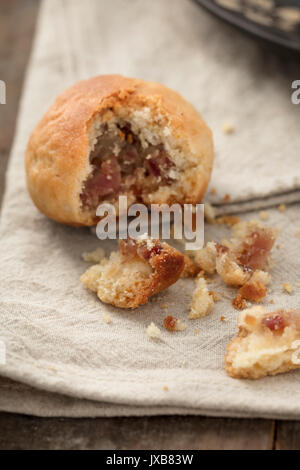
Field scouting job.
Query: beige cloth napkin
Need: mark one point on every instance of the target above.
(56, 339)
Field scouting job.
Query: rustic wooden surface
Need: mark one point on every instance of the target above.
(17, 22)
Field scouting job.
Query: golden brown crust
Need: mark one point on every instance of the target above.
(238, 302)
(140, 269)
(58, 149)
(253, 291)
(167, 267)
(190, 269)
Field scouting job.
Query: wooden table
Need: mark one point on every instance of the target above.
(17, 23)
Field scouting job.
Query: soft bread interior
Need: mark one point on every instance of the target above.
(267, 344)
(139, 269)
(133, 153)
(118, 279)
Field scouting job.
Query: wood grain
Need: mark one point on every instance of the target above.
(157, 433)
(17, 22)
(287, 435)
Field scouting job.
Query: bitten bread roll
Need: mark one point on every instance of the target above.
(110, 136)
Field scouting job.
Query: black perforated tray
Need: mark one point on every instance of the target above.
(277, 21)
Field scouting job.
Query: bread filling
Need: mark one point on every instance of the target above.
(256, 249)
(122, 164)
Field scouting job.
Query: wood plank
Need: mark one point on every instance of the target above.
(157, 433)
(17, 22)
(287, 435)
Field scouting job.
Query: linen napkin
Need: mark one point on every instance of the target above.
(62, 357)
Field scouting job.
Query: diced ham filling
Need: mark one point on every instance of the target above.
(120, 165)
(279, 320)
(256, 250)
(142, 248)
(275, 322)
(221, 249)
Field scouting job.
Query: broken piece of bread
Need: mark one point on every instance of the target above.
(139, 269)
(268, 343)
(240, 261)
(174, 324)
(202, 302)
(206, 258)
(239, 303)
(153, 331)
(249, 248)
(255, 288)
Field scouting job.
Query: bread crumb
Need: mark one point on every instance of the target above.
(264, 215)
(166, 388)
(226, 197)
(196, 332)
(174, 324)
(287, 287)
(107, 318)
(271, 301)
(239, 303)
(228, 220)
(222, 318)
(209, 213)
(278, 247)
(94, 256)
(153, 331)
(202, 301)
(215, 295)
(213, 191)
(53, 368)
(138, 270)
(297, 234)
(282, 207)
(164, 306)
(228, 128)
(254, 290)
